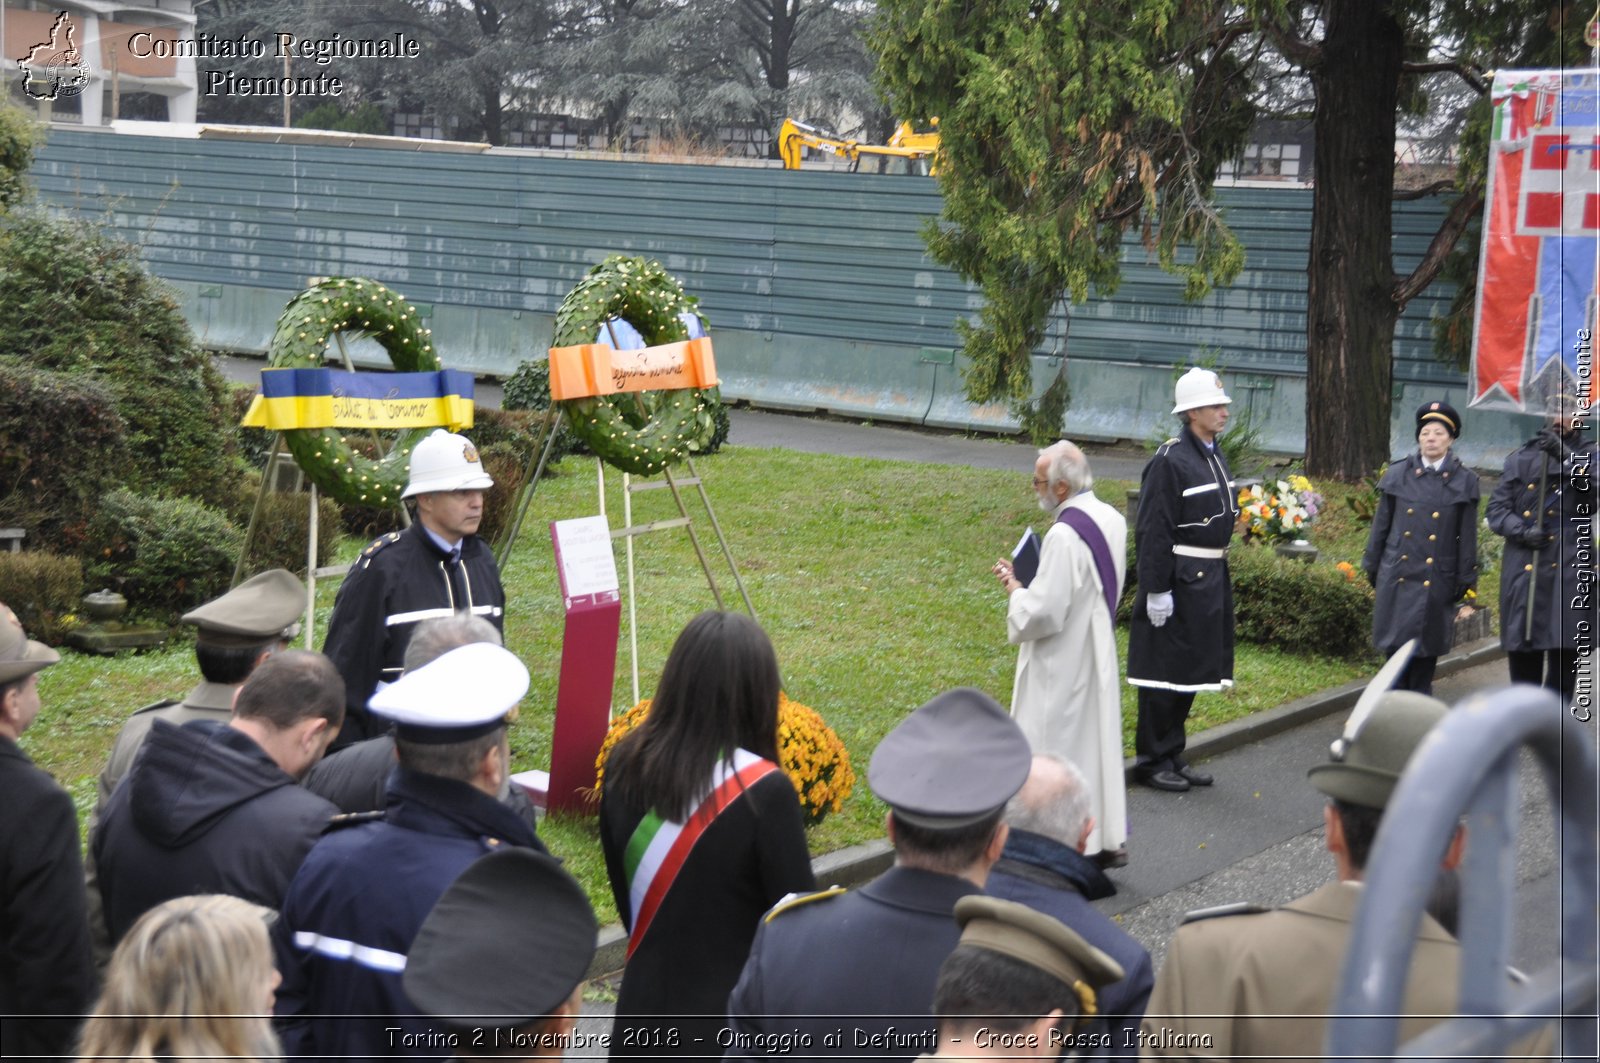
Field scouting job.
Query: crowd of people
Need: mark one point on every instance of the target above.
(332, 839)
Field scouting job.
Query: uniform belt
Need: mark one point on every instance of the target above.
(1199, 551)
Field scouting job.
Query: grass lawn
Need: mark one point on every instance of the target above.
(872, 578)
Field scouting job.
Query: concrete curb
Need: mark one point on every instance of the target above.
(859, 863)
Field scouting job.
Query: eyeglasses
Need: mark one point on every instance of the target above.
(1040, 481)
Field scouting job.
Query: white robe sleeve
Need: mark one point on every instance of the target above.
(1040, 609)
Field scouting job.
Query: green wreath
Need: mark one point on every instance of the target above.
(360, 306)
(640, 432)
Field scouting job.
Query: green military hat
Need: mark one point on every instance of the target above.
(1038, 940)
(265, 606)
(20, 656)
(1384, 730)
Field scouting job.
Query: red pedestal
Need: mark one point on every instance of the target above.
(583, 699)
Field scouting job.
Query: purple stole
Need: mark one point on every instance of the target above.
(1090, 533)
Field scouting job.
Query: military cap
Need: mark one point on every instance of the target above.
(1440, 413)
(20, 656)
(953, 762)
(1366, 762)
(455, 697)
(1037, 940)
(265, 606)
(505, 945)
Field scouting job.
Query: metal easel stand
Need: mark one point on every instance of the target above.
(629, 530)
(530, 483)
(268, 483)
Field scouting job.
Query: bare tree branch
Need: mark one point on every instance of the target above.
(1444, 241)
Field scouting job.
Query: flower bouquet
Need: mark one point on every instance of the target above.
(809, 751)
(1280, 512)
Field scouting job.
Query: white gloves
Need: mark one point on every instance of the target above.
(1159, 607)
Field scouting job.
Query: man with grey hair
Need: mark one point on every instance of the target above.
(1067, 697)
(1043, 867)
(354, 778)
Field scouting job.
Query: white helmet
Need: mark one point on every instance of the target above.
(445, 461)
(1199, 387)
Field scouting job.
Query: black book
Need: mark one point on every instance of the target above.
(1025, 558)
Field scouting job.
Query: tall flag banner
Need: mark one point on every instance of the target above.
(1533, 339)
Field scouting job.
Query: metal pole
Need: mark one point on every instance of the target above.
(633, 606)
(705, 566)
(255, 512)
(508, 538)
(311, 570)
(722, 540)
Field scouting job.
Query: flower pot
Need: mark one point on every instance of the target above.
(1299, 550)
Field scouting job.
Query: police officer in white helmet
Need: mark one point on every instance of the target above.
(1181, 638)
(435, 568)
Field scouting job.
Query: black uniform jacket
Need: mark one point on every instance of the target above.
(862, 963)
(1061, 882)
(355, 906)
(399, 580)
(1186, 499)
(1561, 572)
(1422, 553)
(46, 965)
(204, 810)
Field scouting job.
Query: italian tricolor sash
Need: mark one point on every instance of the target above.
(658, 849)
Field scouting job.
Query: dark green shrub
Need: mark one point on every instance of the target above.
(506, 466)
(43, 589)
(254, 444)
(529, 389)
(1298, 607)
(280, 538)
(77, 300)
(61, 447)
(166, 555)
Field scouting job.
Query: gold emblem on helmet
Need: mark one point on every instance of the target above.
(470, 453)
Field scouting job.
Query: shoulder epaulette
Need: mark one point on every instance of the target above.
(378, 544)
(352, 819)
(165, 703)
(1221, 910)
(1171, 441)
(797, 900)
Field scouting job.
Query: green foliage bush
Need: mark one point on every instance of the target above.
(43, 589)
(76, 300)
(529, 389)
(61, 447)
(280, 539)
(1301, 608)
(166, 555)
(506, 465)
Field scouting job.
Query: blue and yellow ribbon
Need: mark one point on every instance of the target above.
(333, 398)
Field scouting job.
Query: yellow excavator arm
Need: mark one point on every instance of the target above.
(794, 137)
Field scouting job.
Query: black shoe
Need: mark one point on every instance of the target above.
(1169, 781)
(1106, 859)
(1194, 776)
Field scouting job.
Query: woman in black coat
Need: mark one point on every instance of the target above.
(1543, 505)
(1422, 555)
(702, 833)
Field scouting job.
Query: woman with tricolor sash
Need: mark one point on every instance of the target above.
(702, 833)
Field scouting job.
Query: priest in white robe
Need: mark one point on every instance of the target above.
(1067, 697)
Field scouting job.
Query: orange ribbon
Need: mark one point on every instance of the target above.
(590, 369)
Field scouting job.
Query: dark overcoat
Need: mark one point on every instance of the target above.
(1422, 553)
(1562, 573)
(46, 964)
(1186, 499)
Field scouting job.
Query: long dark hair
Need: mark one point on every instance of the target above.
(718, 692)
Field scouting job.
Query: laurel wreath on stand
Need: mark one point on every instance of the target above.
(640, 432)
(352, 305)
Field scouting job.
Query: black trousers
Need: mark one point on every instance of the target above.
(1418, 675)
(1158, 740)
(1555, 669)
